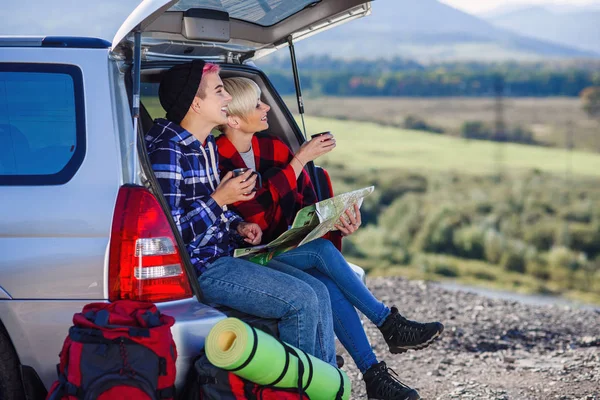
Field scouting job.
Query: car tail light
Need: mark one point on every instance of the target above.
(144, 262)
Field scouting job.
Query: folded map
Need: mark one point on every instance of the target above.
(311, 222)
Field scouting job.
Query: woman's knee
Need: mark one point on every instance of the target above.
(309, 303)
(321, 291)
(325, 244)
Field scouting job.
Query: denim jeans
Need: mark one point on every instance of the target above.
(304, 309)
(322, 260)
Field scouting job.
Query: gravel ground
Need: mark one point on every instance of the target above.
(490, 349)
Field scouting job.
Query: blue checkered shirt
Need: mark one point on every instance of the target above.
(181, 169)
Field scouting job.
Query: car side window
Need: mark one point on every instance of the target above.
(42, 123)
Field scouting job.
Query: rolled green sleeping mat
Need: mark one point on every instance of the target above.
(261, 358)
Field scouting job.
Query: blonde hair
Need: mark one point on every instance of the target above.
(244, 92)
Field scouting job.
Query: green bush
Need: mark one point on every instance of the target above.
(540, 235)
(402, 220)
(436, 235)
(417, 123)
(394, 186)
(469, 242)
(484, 276)
(435, 265)
(400, 255)
(351, 250)
(520, 134)
(563, 258)
(579, 213)
(539, 269)
(479, 130)
(512, 261)
(494, 246)
(447, 270)
(475, 130)
(585, 238)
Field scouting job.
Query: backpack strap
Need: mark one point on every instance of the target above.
(339, 395)
(252, 353)
(101, 319)
(285, 368)
(66, 388)
(166, 393)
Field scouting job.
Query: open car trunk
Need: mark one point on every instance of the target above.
(230, 30)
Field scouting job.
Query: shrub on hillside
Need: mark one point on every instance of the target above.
(436, 265)
(484, 276)
(540, 235)
(437, 232)
(578, 213)
(539, 269)
(469, 242)
(399, 255)
(521, 135)
(515, 256)
(402, 220)
(479, 130)
(561, 257)
(512, 261)
(417, 123)
(394, 186)
(352, 250)
(584, 238)
(476, 130)
(494, 246)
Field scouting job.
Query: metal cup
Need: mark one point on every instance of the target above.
(319, 134)
(241, 171)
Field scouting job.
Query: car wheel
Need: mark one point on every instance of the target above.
(11, 386)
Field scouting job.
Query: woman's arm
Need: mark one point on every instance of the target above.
(311, 150)
(195, 217)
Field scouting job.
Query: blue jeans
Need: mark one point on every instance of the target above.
(304, 309)
(321, 259)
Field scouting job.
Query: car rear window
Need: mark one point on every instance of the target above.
(42, 126)
(260, 12)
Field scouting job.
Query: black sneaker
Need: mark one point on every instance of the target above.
(402, 334)
(381, 385)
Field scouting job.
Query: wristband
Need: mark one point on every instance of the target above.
(301, 163)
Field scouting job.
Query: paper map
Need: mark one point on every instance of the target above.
(312, 222)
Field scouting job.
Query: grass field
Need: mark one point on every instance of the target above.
(550, 119)
(363, 145)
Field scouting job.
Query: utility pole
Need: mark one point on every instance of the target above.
(566, 237)
(499, 126)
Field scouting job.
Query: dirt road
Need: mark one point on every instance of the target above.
(491, 349)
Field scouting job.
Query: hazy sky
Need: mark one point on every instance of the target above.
(477, 6)
(102, 18)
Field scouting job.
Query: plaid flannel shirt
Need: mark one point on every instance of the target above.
(281, 196)
(185, 176)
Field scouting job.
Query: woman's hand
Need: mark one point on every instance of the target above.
(250, 231)
(315, 148)
(348, 228)
(232, 189)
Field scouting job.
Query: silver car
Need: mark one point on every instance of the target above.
(82, 218)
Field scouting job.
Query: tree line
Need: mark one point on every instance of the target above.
(398, 77)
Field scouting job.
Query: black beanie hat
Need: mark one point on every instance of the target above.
(178, 87)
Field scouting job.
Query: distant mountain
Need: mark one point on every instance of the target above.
(427, 30)
(574, 27)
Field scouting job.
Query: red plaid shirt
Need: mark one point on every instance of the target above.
(281, 196)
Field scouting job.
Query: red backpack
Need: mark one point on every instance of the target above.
(117, 351)
(207, 382)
